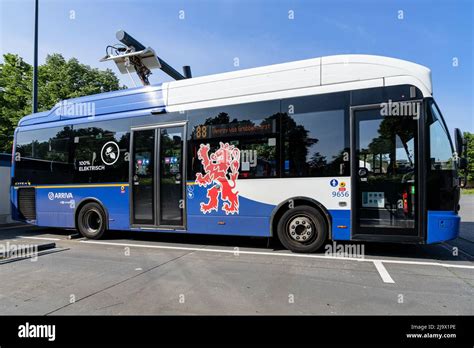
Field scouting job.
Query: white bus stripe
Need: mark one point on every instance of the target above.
(383, 272)
(420, 263)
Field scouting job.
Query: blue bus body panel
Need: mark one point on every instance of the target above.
(253, 218)
(442, 226)
(341, 224)
(56, 206)
(13, 204)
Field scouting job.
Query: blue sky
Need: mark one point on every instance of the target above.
(213, 33)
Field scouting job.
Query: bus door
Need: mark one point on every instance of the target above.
(157, 177)
(384, 171)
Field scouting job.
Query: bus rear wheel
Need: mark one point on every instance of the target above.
(302, 229)
(91, 221)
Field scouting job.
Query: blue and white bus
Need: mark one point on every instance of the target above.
(348, 147)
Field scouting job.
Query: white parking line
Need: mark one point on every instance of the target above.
(39, 238)
(383, 272)
(238, 252)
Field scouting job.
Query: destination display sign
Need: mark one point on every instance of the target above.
(234, 129)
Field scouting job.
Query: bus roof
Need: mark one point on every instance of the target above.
(316, 75)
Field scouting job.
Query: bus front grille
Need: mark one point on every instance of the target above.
(27, 203)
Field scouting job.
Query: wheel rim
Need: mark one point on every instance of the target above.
(301, 229)
(92, 221)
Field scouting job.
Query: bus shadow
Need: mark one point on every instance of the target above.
(467, 231)
(18, 230)
(441, 252)
(196, 240)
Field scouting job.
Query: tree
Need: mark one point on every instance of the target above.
(58, 80)
(15, 96)
(470, 156)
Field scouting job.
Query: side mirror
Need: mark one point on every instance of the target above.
(462, 164)
(459, 141)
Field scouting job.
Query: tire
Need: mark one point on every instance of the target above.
(302, 229)
(91, 221)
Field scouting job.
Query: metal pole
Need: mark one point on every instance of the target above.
(187, 71)
(35, 62)
(168, 69)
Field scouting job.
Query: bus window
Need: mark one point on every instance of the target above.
(252, 128)
(441, 151)
(441, 193)
(43, 156)
(314, 143)
(101, 151)
(315, 133)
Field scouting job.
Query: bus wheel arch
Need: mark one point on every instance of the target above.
(91, 218)
(305, 209)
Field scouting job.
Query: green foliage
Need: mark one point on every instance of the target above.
(15, 96)
(470, 155)
(58, 80)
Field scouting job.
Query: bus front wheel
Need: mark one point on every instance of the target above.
(302, 229)
(91, 221)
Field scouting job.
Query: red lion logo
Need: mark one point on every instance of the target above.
(222, 170)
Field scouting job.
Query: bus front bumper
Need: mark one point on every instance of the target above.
(442, 226)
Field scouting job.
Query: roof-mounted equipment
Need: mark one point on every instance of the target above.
(131, 56)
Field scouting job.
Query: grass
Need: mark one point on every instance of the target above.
(467, 191)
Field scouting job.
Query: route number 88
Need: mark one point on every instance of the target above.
(201, 132)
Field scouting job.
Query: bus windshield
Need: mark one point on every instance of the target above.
(441, 148)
